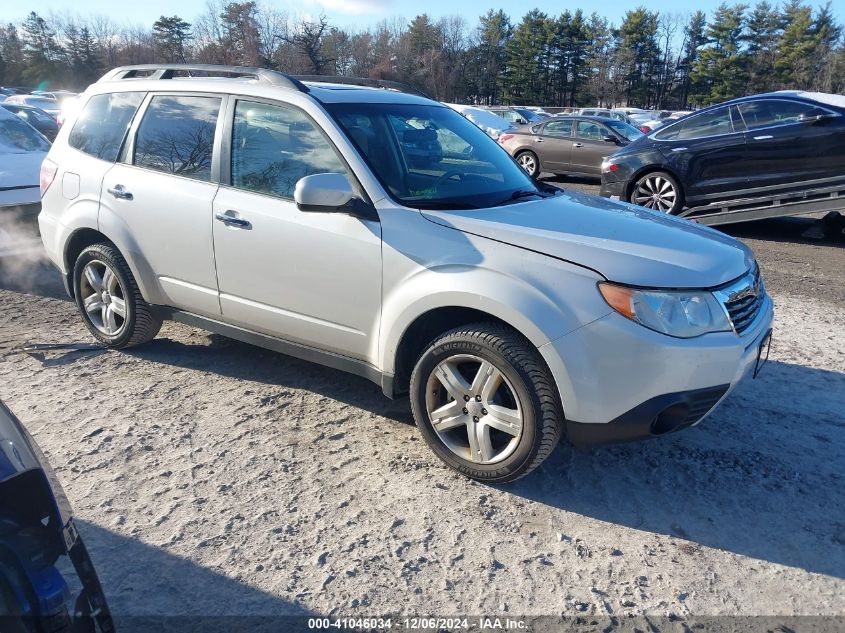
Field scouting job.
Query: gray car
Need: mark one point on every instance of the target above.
(568, 145)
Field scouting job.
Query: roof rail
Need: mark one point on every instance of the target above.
(385, 84)
(167, 71)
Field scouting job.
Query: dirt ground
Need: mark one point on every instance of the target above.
(211, 477)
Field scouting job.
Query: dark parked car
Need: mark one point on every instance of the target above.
(37, 118)
(517, 115)
(36, 531)
(746, 148)
(568, 144)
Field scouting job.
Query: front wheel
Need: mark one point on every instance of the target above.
(659, 191)
(485, 402)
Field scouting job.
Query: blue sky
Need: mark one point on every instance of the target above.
(359, 12)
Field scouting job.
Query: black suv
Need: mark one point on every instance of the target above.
(749, 147)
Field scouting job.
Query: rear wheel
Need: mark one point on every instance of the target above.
(659, 191)
(109, 299)
(529, 162)
(485, 402)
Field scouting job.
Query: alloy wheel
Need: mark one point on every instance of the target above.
(527, 162)
(474, 409)
(103, 297)
(655, 192)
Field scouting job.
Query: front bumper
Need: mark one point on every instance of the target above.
(619, 381)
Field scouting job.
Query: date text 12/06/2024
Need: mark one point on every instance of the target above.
(418, 623)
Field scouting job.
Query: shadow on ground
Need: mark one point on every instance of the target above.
(764, 476)
(149, 589)
(791, 230)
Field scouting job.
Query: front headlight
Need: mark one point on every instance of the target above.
(679, 313)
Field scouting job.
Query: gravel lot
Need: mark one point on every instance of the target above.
(211, 477)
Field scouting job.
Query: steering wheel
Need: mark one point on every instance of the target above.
(452, 173)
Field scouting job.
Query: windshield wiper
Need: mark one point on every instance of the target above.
(518, 195)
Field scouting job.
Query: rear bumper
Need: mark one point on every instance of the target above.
(614, 190)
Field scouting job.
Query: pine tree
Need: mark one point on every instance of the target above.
(794, 65)
(638, 55)
(171, 35)
(42, 53)
(763, 34)
(721, 67)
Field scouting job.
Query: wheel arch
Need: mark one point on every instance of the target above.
(82, 238)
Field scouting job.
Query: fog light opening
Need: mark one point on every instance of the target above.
(670, 419)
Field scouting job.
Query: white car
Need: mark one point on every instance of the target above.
(299, 217)
(50, 106)
(492, 124)
(643, 118)
(22, 149)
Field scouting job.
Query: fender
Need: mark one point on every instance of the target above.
(536, 315)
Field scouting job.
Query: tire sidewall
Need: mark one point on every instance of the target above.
(512, 466)
(679, 198)
(98, 252)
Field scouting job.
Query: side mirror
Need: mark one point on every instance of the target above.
(330, 193)
(611, 139)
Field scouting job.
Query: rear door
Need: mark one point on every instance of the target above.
(161, 196)
(790, 142)
(553, 145)
(589, 147)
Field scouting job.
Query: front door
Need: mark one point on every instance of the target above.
(589, 147)
(162, 193)
(311, 278)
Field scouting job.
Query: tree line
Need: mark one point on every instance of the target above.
(650, 59)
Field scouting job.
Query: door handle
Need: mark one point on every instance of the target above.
(539, 139)
(119, 192)
(679, 149)
(765, 137)
(231, 220)
(577, 145)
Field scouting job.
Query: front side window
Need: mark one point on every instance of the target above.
(771, 112)
(176, 135)
(445, 162)
(274, 146)
(589, 131)
(101, 126)
(711, 123)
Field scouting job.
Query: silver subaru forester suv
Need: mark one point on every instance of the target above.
(381, 233)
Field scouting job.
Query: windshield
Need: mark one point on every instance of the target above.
(430, 157)
(624, 130)
(44, 104)
(17, 137)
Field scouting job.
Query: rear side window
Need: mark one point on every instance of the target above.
(176, 135)
(274, 146)
(771, 112)
(101, 126)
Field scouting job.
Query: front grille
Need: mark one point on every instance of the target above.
(743, 299)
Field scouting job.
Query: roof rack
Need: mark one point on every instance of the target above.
(384, 84)
(168, 71)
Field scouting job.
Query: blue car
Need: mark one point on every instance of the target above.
(36, 533)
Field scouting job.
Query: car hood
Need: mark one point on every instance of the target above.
(624, 243)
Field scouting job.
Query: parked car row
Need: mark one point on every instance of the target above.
(44, 110)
